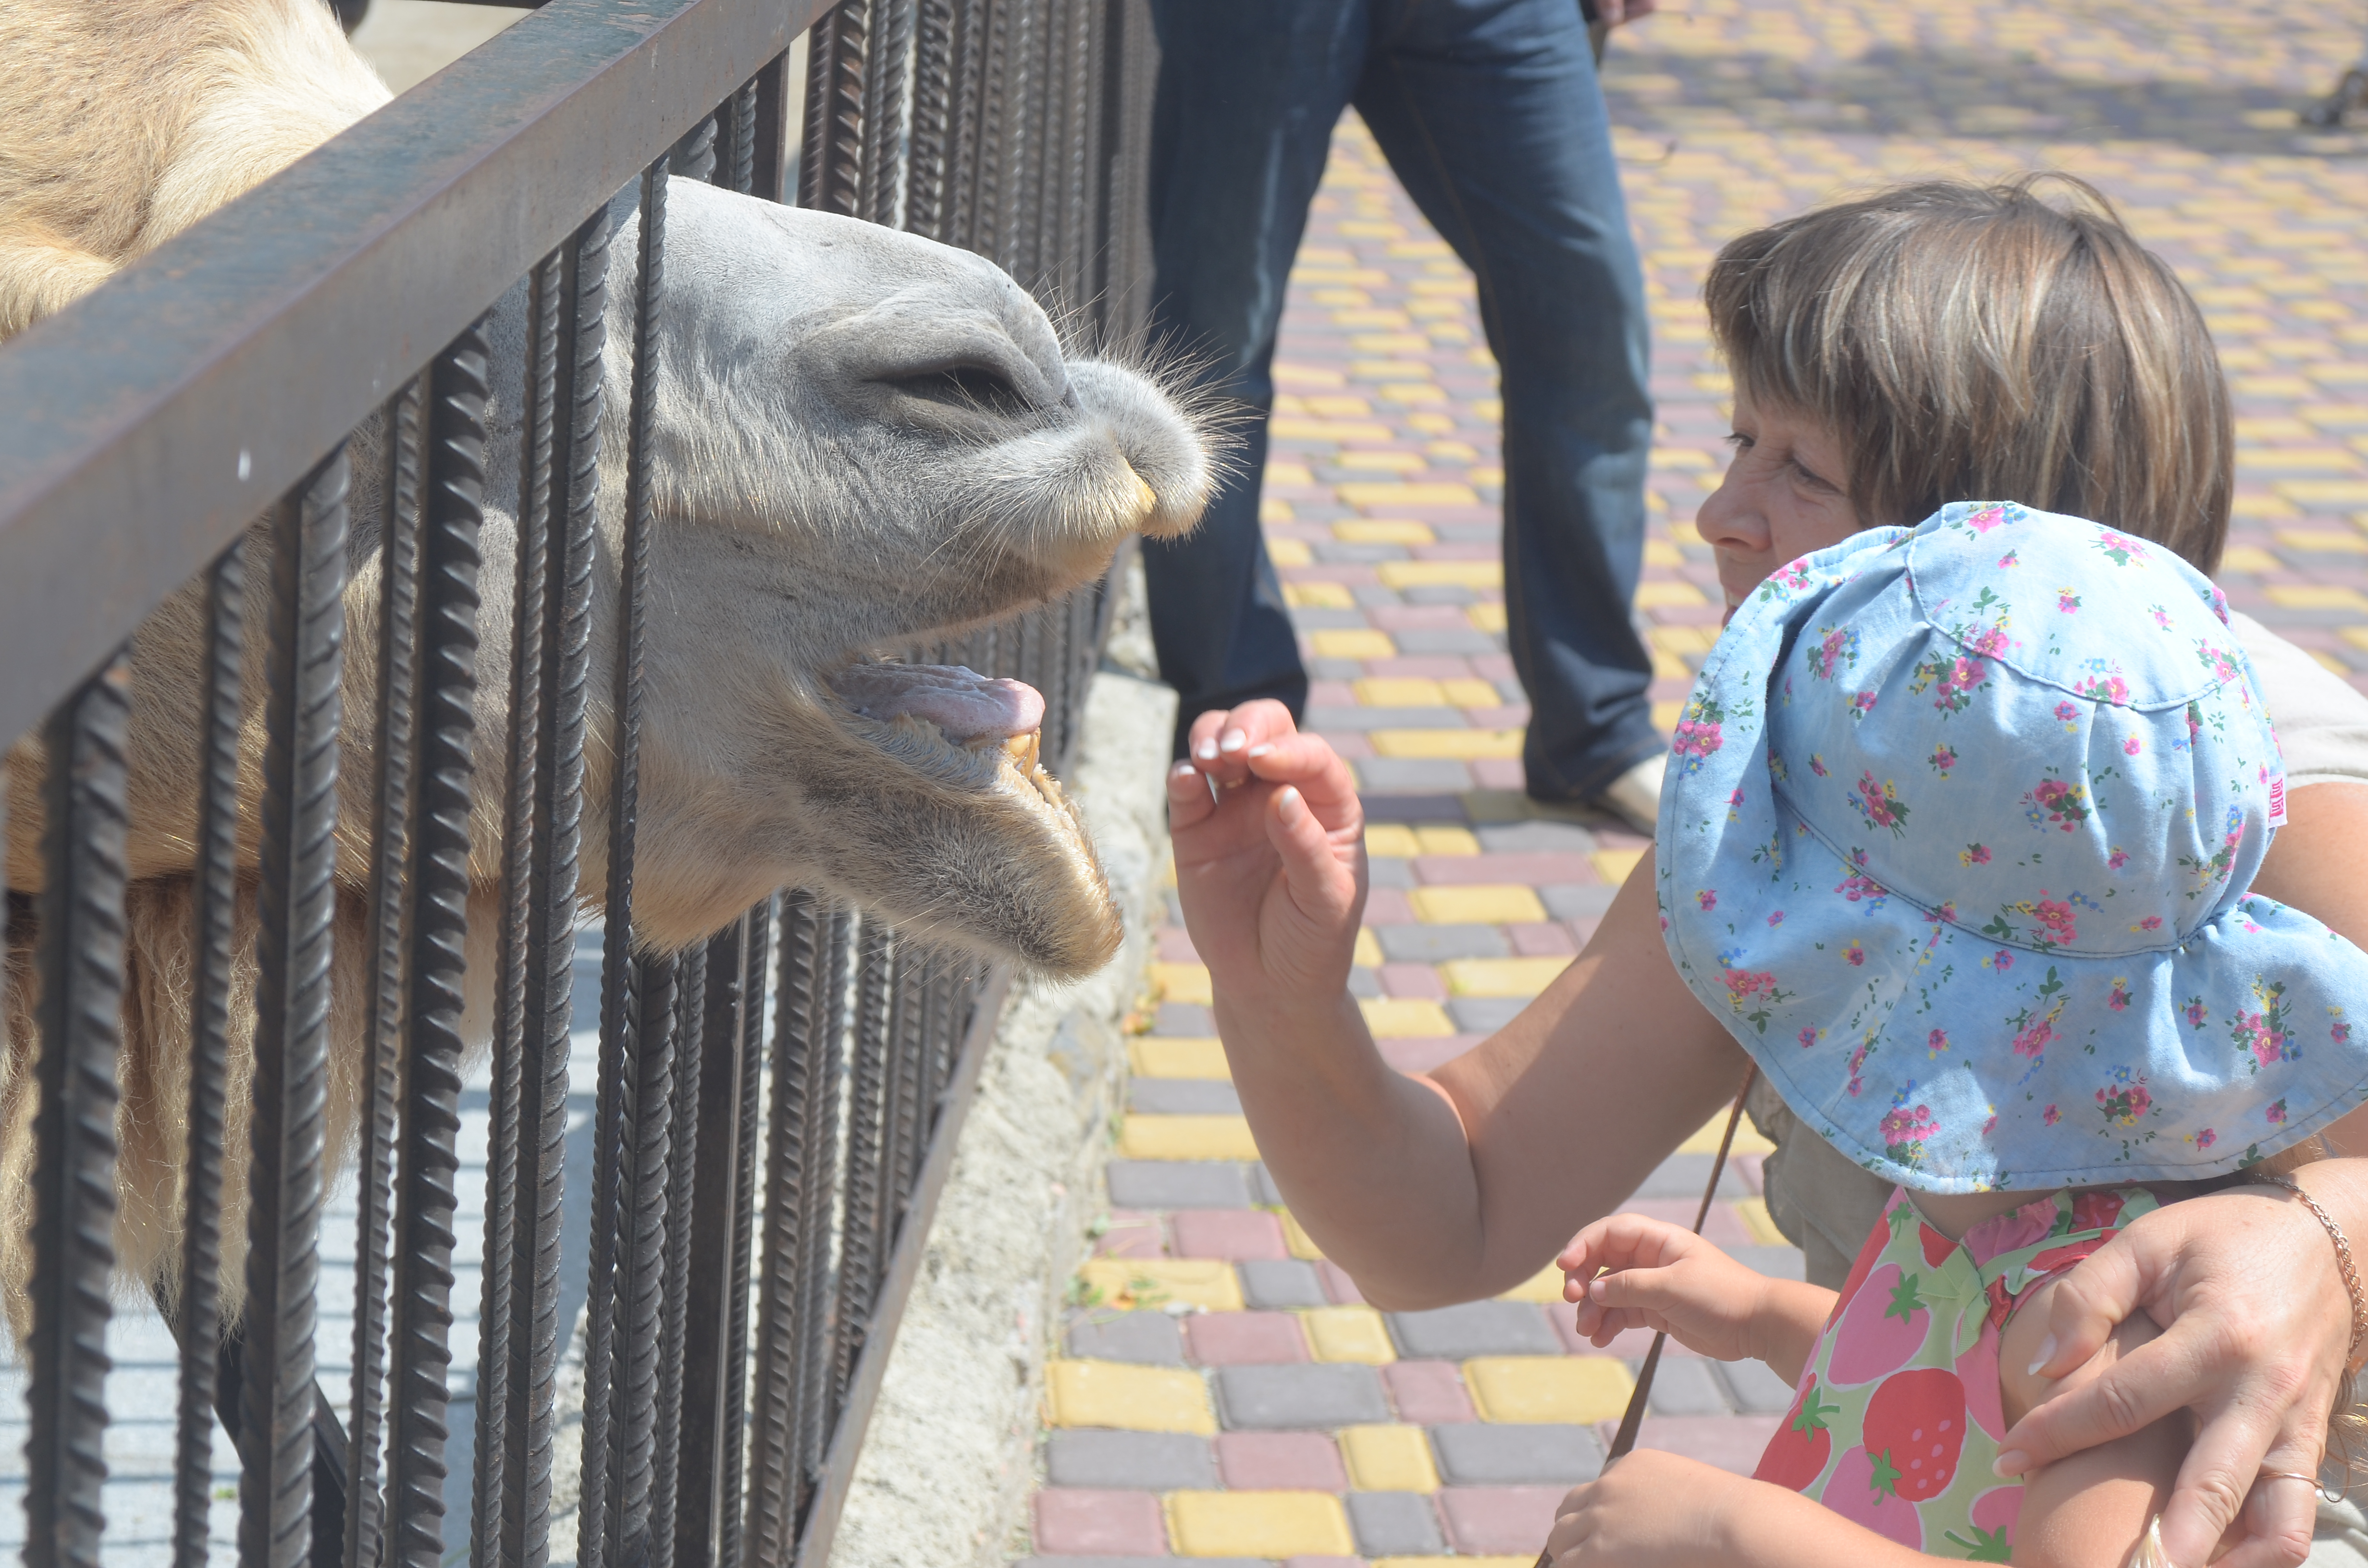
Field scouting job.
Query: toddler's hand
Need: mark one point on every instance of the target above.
(1649, 1510)
(1270, 862)
(1627, 1271)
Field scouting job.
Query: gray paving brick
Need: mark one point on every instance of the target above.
(1364, 981)
(1298, 1398)
(1175, 909)
(1262, 1186)
(1685, 1386)
(1184, 1096)
(1755, 1389)
(1361, 717)
(1536, 838)
(1445, 641)
(1679, 1175)
(1315, 618)
(1395, 1524)
(1337, 552)
(1440, 594)
(1335, 669)
(1273, 1284)
(1475, 1328)
(1779, 1263)
(1389, 871)
(1142, 1562)
(1429, 944)
(1152, 1461)
(1485, 1454)
(1185, 1018)
(1369, 595)
(1484, 1015)
(1178, 1184)
(1150, 1338)
(1576, 901)
(1387, 774)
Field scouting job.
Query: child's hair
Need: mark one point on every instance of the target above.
(1978, 341)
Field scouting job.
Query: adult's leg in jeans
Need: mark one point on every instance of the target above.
(1248, 94)
(1490, 114)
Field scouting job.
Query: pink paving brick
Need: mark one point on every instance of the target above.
(1387, 906)
(1339, 1288)
(1494, 666)
(1582, 931)
(1349, 744)
(1347, 574)
(1331, 694)
(1418, 981)
(1536, 871)
(1746, 1169)
(1458, 549)
(1423, 666)
(1323, 1563)
(1132, 1236)
(1245, 1340)
(1542, 939)
(1419, 618)
(1076, 1522)
(1490, 1520)
(1421, 1055)
(1281, 1462)
(1176, 946)
(1499, 773)
(1510, 716)
(1235, 1233)
(1730, 1442)
(1427, 1393)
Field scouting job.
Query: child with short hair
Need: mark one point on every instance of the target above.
(1957, 843)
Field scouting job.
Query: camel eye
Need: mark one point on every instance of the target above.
(980, 387)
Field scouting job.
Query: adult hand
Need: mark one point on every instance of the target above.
(2256, 1325)
(1270, 842)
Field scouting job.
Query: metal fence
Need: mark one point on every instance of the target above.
(776, 1108)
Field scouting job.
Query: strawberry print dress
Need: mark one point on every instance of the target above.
(1897, 1417)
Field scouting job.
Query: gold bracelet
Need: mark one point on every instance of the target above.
(2342, 1259)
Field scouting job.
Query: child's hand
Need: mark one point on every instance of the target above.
(1271, 866)
(1649, 1510)
(1662, 1278)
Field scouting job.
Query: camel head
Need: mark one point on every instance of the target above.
(864, 440)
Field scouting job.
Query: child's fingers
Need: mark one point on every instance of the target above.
(1636, 1290)
(1619, 1241)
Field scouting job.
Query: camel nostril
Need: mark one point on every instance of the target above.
(974, 386)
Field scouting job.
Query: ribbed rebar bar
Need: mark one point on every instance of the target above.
(198, 1311)
(641, 1259)
(830, 167)
(819, 1202)
(858, 1251)
(674, 1296)
(770, 1526)
(296, 900)
(79, 956)
(887, 68)
(927, 207)
(733, 1416)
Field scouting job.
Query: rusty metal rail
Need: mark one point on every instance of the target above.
(776, 1108)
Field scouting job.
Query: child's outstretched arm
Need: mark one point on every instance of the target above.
(1627, 1271)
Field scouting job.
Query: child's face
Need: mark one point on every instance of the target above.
(1782, 498)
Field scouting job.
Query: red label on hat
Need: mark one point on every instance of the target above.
(2278, 800)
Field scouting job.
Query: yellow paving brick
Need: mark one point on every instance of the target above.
(1273, 511)
(1353, 644)
(1339, 406)
(1395, 692)
(1543, 1288)
(1759, 1222)
(1441, 574)
(1288, 552)
(1163, 1281)
(1491, 618)
(1391, 839)
(1295, 1237)
(1484, 904)
(1613, 865)
(1684, 638)
(1133, 1399)
(1282, 472)
(1170, 1056)
(1340, 298)
(1382, 530)
(2324, 492)
(1389, 1459)
(2315, 596)
(2249, 558)
(1348, 1333)
(2323, 541)
(1305, 429)
(2333, 665)
(1390, 369)
(1529, 1389)
(1308, 376)
(1362, 493)
(1402, 1018)
(1392, 462)
(1463, 743)
(1747, 1140)
(2356, 635)
(1369, 948)
(1665, 666)
(2263, 508)
(1143, 1136)
(1681, 458)
(1389, 343)
(1452, 451)
(1429, 424)
(1258, 1524)
(1471, 693)
(1383, 319)
(1653, 596)
(1320, 595)
(1182, 981)
(1661, 552)
(1438, 840)
(1501, 977)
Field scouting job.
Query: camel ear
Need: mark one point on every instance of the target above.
(42, 274)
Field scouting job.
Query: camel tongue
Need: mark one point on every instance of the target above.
(958, 701)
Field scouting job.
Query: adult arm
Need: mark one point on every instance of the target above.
(2256, 1316)
(1462, 1182)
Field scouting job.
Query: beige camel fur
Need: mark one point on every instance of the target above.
(864, 439)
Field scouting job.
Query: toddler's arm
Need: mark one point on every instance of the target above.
(1631, 1272)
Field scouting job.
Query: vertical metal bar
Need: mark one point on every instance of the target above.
(632, 1420)
(769, 171)
(580, 337)
(80, 962)
(674, 1295)
(735, 140)
(707, 1108)
(927, 207)
(988, 229)
(296, 900)
(830, 171)
(199, 1307)
(733, 1412)
(620, 1012)
(966, 73)
(390, 850)
(887, 63)
(858, 1251)
(819, 1199)
(437, 891)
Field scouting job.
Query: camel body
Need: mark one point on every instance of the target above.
(863, 439)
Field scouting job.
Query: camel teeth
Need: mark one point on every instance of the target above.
(1023, 750)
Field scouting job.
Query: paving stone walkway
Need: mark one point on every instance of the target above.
(1225, 1395)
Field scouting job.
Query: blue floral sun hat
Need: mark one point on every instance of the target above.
(1957, 838)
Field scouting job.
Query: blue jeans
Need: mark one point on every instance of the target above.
(1489, 113)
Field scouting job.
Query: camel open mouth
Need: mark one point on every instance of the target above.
(990, 728)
